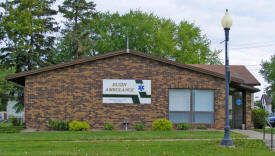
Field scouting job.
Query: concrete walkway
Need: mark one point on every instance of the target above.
(257, 135)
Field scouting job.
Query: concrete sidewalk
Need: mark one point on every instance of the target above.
(257, 135)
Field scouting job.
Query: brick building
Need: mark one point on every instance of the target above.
(133, 86)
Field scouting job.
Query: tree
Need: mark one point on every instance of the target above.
(258, 104)
(193, 48)
(153, 35)
(268, 72)
(28, 28)
(27, 35)
(78, 14)
(5, 88)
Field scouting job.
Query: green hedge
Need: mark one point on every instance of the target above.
(59, 125)
(258, 116)
(9, 128)
(183, 126)
(15, 121)
(109, 127)
(140, 127)
(202, 127)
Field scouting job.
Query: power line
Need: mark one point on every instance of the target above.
(253, 47)
(253, 43)
(253, 64)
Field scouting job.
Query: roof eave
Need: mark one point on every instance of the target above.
(249, 88)
(22, 75)
(62, 65)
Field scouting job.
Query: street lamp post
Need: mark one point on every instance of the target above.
(226, 23)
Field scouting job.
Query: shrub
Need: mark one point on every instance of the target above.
(183, 126)
(162, 125)
(5, 124)
(15, 121)
(12, 129)
(139, 127)
(258, 116)
(109, 127)
(59, 125)
(201, 127)
(6, 127)
(78, 126)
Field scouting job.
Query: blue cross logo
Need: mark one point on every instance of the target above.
(141, 87)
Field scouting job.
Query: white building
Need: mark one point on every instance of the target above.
(267, 102)
(11, 112)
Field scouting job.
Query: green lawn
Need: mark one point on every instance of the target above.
(119, 143)
(133, 148)
(113, 135)
(267, 130)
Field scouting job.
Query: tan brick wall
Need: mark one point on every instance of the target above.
(75, 93)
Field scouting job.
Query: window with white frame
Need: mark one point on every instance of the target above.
(191, 106)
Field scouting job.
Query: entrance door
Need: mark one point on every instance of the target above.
(236, 117)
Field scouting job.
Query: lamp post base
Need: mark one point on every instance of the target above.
(227, 141)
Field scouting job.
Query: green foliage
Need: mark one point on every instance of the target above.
(140, 127)
(75, 41)
(78, 126)
(6, 127)
(27, 36)
(162, 125)
(258, 104)
(77, 11)
(258, 118)
(147, 33)
(268, 72)
(5, 87)
(194, 47)
(15, 121)
(151, 34)
(183, 126)
(28, 27)
(202, 127)
(109, 127)
(58, 125)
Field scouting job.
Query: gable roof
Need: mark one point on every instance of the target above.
(237, 71)
(19, 78)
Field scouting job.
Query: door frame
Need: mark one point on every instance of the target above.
(233, 108)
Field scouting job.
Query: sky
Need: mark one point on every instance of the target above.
(252, 35)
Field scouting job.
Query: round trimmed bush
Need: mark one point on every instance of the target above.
(109, 127)
(183, 126)
(78, 126)
(162, 125)
(139, 127)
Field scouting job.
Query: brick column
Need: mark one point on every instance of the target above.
(248, 120)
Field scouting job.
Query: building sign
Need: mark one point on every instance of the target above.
(126, 91)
